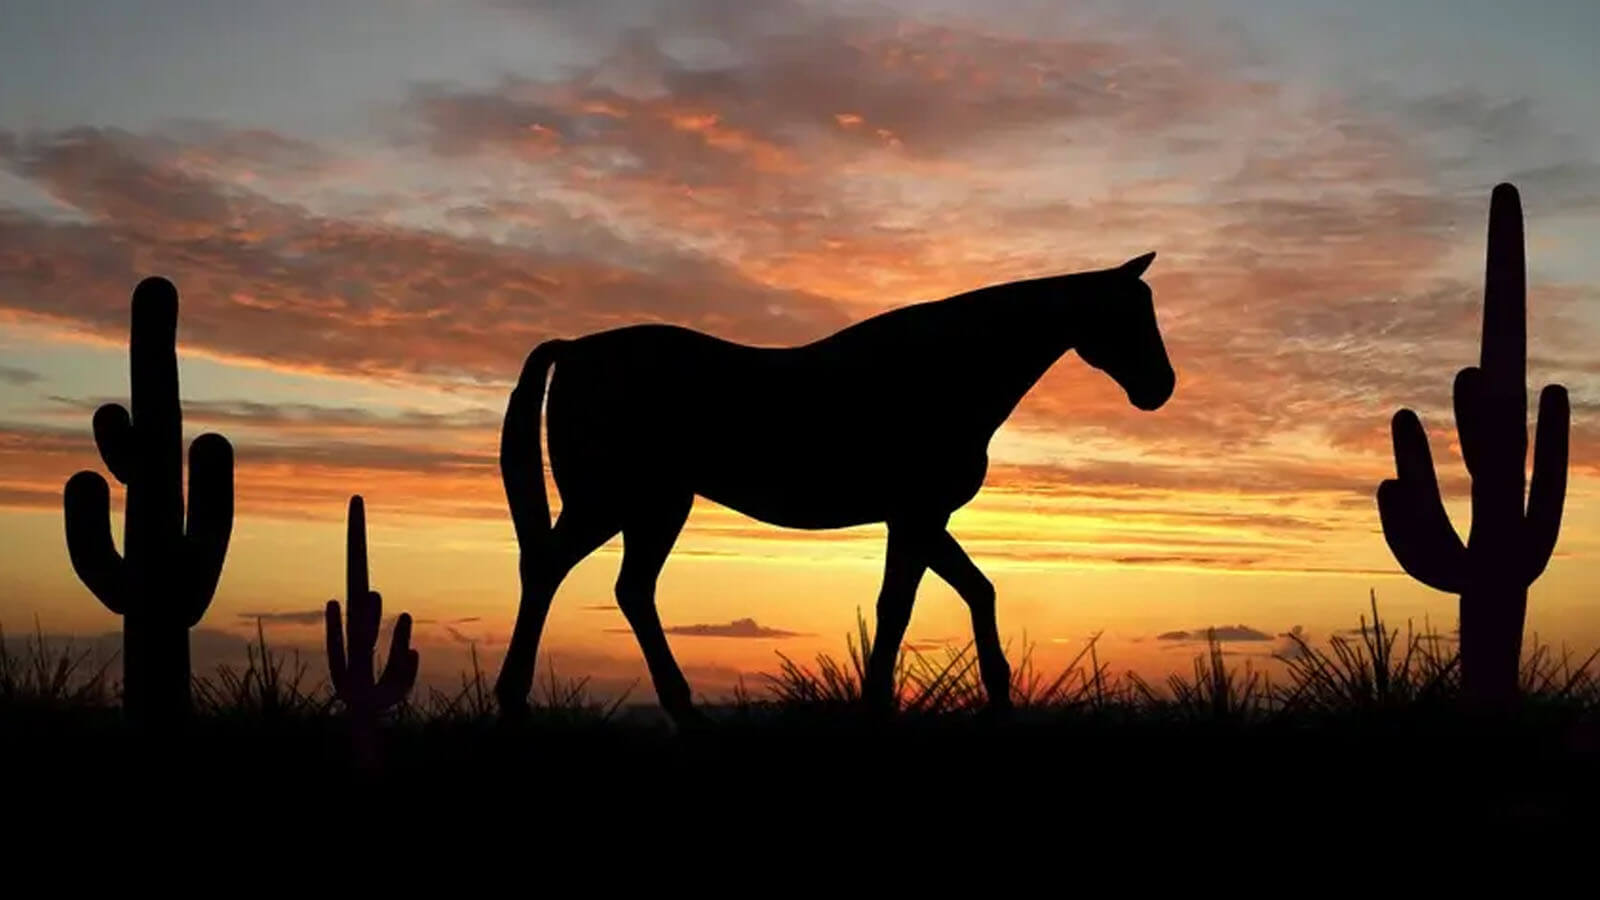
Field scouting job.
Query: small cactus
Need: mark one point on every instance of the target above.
(166, 575)
(351, 673)
(1509, 544)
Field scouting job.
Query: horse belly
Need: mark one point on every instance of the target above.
(790, 499)
(630, 419)
(798, 481)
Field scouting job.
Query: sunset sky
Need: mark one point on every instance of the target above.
(373, 210)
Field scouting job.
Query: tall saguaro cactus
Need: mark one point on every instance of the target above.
(1509, 544)
(165, 577)
(350, 664)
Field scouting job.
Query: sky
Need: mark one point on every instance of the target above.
(373, 210)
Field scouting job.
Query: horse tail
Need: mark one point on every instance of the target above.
(521, 463)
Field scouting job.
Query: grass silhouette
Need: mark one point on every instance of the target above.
(1373, 710)
(1374, 667)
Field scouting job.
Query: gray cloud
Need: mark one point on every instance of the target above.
(1570, 186)
(1222, 633)
(795, 87)
(278, 283)
(288, 415)
(738, 628)
(293, 617)
(17, 377)
(1303, 293)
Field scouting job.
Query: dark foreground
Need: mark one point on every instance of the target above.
(782, 780)
(1365, 745)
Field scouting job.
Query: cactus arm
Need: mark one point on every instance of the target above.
(1547, 490)
(210, 520)
(336, 658)
(87, 502)
(113, 435)
(1415, 523)
(400, 669)
(1469, 407)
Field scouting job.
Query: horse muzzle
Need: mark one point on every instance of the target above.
(1154, 397)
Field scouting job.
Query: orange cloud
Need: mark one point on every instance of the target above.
(1308, 279)
(275, 283)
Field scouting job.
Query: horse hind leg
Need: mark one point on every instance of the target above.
(575, 535)
(646, 541)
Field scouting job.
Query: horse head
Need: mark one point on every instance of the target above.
(1121, 337)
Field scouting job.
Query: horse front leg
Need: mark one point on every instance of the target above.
(952, 564)
(903, 566)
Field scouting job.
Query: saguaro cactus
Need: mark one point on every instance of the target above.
(364, 699)
(1509, 545)
(163, 581)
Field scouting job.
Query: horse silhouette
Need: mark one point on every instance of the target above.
(887, 420)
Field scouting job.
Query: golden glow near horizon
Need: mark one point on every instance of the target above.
(358, 295)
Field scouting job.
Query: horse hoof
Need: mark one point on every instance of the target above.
(997, 712)
(515, 711)
(879, 712)
(689, 720)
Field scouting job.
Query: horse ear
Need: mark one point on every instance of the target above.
(1136, 266)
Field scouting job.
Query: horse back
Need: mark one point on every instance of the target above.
(810, 436)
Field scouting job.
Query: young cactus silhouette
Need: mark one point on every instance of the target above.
(1508, 545)
(165, 577)
(351, 673)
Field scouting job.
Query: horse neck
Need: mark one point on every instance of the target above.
(1015, 335)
